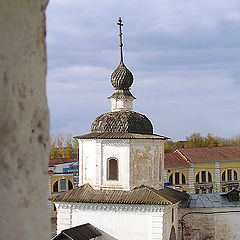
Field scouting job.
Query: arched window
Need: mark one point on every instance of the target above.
(70, 186)
(54, 207)
(197, 178)
(55, 187)
(170, 179)
(230, 175)
(204, 176)
(112, 169)
(183, 179)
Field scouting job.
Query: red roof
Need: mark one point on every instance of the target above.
(56, 161)
(172, 160)
(211, 154)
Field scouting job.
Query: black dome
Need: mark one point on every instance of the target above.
(121, 77)
(122, 122)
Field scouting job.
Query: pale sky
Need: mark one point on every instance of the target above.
(184, 55)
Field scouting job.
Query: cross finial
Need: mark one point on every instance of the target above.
(120, 35)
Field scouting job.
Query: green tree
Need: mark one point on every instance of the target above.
(195, 140)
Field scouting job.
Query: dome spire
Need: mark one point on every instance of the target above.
(120, 36)
(122, 80)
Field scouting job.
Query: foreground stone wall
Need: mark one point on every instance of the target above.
(24, 123)
(198, 224)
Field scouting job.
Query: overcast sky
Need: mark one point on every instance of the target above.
(184, 55)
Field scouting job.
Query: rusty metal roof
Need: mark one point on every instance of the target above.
(174, 160)
(56, 161)
(121, 136)
(140, 195)
(211, 154)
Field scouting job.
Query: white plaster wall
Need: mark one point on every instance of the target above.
(118, 149)
(24, 121)
(115, 221)
(64, 218)
(119, 104)
(87, 162)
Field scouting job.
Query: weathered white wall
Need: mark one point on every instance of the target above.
(119, 149)
(24, 123)
(219, 226)
(146, 163)
(116, 221)
(140, 162)
(87, 162)
(169, 221)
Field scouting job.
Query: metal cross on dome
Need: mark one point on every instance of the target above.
(120, 35)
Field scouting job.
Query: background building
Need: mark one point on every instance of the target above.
(62, 176)
(203, 170)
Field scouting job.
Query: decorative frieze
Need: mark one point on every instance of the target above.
(113, 207)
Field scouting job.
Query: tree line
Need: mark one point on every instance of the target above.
(64, 146)
(197, 140)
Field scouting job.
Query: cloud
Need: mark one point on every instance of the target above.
(184, 56)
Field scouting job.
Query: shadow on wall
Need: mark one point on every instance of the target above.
(105, 236)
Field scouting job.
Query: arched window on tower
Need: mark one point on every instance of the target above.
(112, 169)
(55, 187)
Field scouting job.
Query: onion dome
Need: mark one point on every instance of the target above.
(121, 78)
(122, 122)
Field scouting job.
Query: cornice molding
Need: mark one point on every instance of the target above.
(102, 207)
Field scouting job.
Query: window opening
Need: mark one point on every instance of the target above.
(70, 186)
(224, 176)
(112, 173)
(229, 174)
(171, 179)
(177, 178)
(183, 179)
(63, 184)
(235, 175)
(203, 176)
(55, 187)
(209, 177)
(197, 178)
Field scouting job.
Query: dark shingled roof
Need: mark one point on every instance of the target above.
(81, 232)
(140, 195)
(121, 78)
(121, 136)
(122, 94)
(122, 122)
